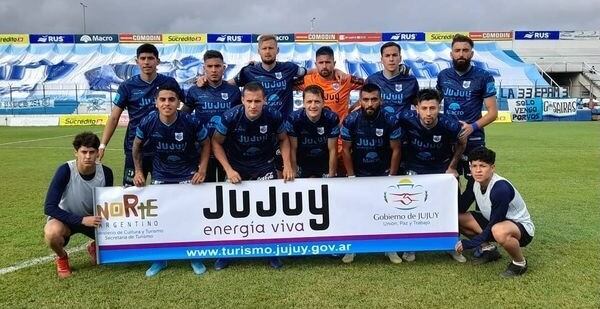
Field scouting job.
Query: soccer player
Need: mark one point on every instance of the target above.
(431, 143)
(337, 92)
(371, 144)
(245, 141)
(503, 215)
(212, 100)
(70, 200)
(171, 136)
(398, 88)
(465, 89)
(313, 132)
(137, 95)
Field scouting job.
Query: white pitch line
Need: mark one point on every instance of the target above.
(39, 139)
(37, 261)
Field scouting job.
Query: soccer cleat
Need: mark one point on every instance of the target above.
(198, 267)
(477, 252)
(221, 264)
(409, 256)
(458, 257)
(275, 263)
(394, 258)
(155, 268)
(63, 269)
(487, 256)
(513, 270)
(348, 258)
(91, 249)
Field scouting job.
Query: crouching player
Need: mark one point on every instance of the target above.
(173, 137)
(70, 200)
(503, 215)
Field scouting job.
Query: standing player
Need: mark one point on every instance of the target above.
(465, 90)
(212, 100)
(503, 215)
(172, 137)
(245, 141)
(313, 132)
(371, 144)
(398, 88)
(431, 143)
(137, 95)
(70, 200)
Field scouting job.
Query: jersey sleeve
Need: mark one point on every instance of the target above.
(241, 79)
(501, 195)
(236, 98)
(121, 98)
(290, 125)
(58, 185)
(141, 132)
(346, 129)
(335, 126)
(395, 128)
(201, 133)
(278, 122)
(223, 122)
(190, 98)
(490, 86)
(452, 125)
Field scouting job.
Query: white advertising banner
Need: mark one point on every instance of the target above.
(560, 107)
(273, 218)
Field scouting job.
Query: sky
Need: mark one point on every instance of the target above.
(260, 16)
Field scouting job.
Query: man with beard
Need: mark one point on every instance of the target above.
(336, 92)
(398, 88)
(371, 144)
(210, 101)
(137, 95)
(465, 89)
(431, 143)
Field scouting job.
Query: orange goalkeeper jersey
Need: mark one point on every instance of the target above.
(337, 94)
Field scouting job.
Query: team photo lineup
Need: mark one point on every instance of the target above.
(247, 129)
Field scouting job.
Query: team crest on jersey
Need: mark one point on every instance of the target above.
(263, 129)
(320, 130)
(278, 75)
(179, 136)
(466, 84)
(398, 87)
(336, 86)
(224, 95)
(437, 138)
(379, 132)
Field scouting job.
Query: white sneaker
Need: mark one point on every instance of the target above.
(458, 257)
(348, 258)
(409, 256)
(394, 258)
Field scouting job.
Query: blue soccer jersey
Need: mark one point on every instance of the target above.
(398, 93)
(250, 145)
(208, 102)
(176, 156)
(370, 138)
(278, 83)
(464, 94)
(312, 154)
(428, 151)
(139, 97)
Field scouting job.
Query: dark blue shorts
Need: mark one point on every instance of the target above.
(129, 169)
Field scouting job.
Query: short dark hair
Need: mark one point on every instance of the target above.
(370, 88)
(324, 51)
(428, 94)
(147, 48)
(252, 87)
(463, 39)
(212, 54)
(314, 89)
(389, 44)
(482, 154)
(86, 139)
(168, 87)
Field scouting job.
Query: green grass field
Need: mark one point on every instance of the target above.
(555, 166)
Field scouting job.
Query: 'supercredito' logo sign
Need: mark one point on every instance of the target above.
(405, 195)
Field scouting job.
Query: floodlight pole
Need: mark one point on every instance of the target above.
(83, 6)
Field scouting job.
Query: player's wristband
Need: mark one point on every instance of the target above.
(475, 126)
(102, 146)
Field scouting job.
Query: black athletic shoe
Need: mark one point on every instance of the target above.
(487, 256)
(513, 270)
